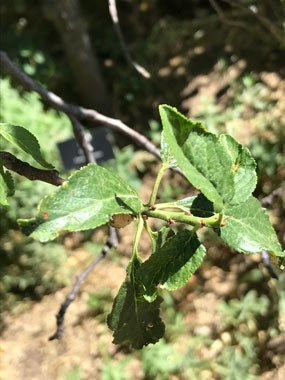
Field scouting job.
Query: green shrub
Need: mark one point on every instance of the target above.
(49, 126)
(28, 268)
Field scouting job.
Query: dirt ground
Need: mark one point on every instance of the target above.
(26, 337)
(26, 352)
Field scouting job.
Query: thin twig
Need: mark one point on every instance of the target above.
(26, 170)
(71, 297)
(223, 17)
(114, 15)
(82, 139)
(266, 261)
(112, 242)
(268, 200)
(71, 109)
(254, 11)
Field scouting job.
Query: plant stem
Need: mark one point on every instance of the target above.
(156, 184)
(182, 205)
(220, 219)
(194, 230)
(151, 234)
(148, 229)
(165, 206)
(137, 239)
(212, 221)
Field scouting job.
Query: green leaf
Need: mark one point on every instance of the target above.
(3, 192)
(219, 167)
(133, 319)
(244, 167)
(203, 161)
(6, 185)
(161, 236)
(88, 200)
(202, 207)
(165, 153)
(185, 203)
(25, 140)
(249, 230)
(172, 264)
(198, 205)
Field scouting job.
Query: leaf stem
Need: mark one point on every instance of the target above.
(221, 217)
(152, 199)
(148, 229)
(181, 217)
(150, 233)
(181, 205)
(135, 254)
(170, 205)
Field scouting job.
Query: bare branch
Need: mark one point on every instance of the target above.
(110, 243)
(70, 109)
(26, 170)
(83, 139)
(254, 11)
(71, 297)
(225, 19)
(266, 261)
(268, 200)
(114, 15)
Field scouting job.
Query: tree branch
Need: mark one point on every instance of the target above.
(114, 15)
(266, 261)
(223, 17)
(26, 170)
(268, 200)
(263, 20)
(112, 242)
(83, 139)
(71, 109)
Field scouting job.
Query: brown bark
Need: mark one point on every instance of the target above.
(26, 170)
(70, 25)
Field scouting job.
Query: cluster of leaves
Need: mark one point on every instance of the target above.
(218, 166)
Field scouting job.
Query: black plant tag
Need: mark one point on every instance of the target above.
(72, 156)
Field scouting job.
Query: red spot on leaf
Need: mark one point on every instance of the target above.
(45, 215)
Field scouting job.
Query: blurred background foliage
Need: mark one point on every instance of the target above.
(28, 268)
(219, 61)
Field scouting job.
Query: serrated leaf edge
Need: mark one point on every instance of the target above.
(24, 147)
